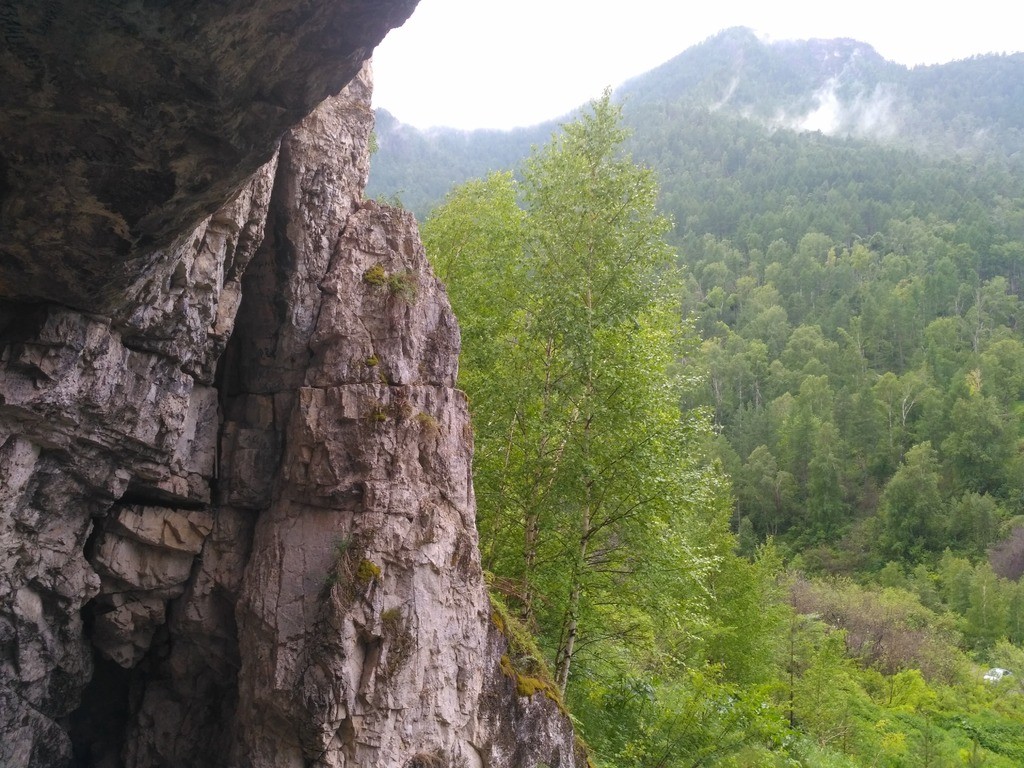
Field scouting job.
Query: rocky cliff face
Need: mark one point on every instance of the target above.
(236, 512)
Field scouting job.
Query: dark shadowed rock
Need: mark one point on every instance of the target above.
(124, 124)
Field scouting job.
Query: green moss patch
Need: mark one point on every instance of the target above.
(524, 661)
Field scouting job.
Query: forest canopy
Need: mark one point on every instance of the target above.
(749, 443)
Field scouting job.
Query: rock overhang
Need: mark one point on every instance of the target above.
(122, 125)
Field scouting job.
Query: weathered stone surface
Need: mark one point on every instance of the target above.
(380, 320)
(186, 715)
(123, 125)
(89, 416)
(162, 528)
(236, 508)
(124, 627)
(138, 565)
(45, 580)
(184, 306)
(71, 383)
(364, 626)
(188, 703)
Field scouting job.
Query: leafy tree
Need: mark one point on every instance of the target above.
(980, 440)
(955, 576)
(986, 616)
(765, 492)
(584, 454)
(824, 694)
(898, 397)
(825, 505)
(912, 506)
(993, 307)
(973, 522)
(1002, 371)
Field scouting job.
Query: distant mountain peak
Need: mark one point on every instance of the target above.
(840, 87)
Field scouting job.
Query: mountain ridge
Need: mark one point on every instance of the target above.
(841, 88)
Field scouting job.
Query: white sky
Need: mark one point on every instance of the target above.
(500, 64)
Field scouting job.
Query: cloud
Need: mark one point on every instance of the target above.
(870, 114)
(729, 91)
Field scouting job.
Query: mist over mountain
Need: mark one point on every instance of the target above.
(842, 89)
(827, 85)
(845, 88)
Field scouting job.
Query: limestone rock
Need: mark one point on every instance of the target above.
(163, 529)
(89, 416)
(236, 507)
(185, 306)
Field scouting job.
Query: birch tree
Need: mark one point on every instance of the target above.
(589, 474)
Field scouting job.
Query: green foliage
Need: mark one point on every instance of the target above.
(912, 506)
(523, 651)
(378, 413)
(427, 422)
(376, 276)
(590, 477)
(366, 572)
(523, 662)
(861, 361)
(888, 629)
(401, 284)
(351, 574)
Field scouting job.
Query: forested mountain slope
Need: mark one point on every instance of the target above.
(852, 238)
(845, 88)
(417, 168)
(848, 268)
(841, 88)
